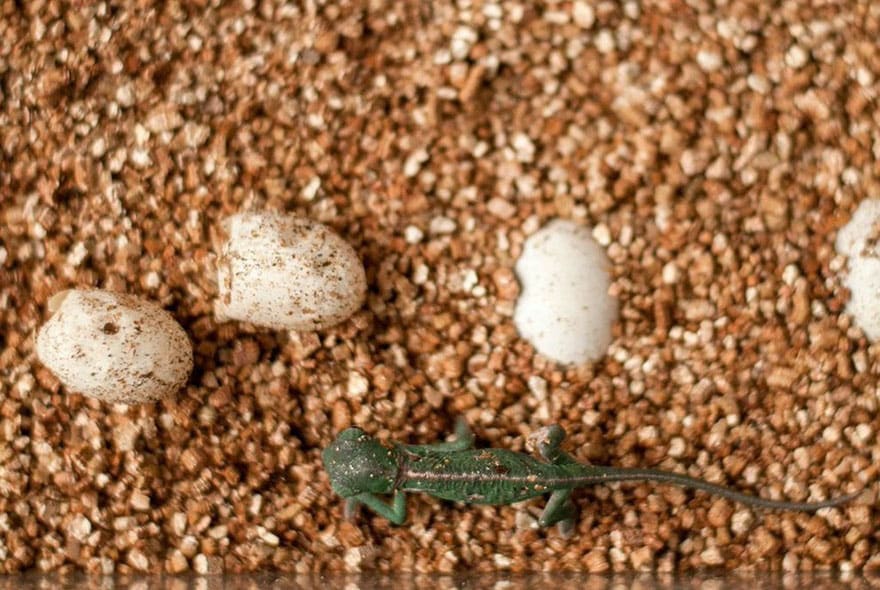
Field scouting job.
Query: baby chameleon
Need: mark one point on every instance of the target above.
(361, 469)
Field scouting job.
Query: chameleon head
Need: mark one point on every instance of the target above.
(356, 463)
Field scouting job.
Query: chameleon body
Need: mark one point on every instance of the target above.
(361, 470)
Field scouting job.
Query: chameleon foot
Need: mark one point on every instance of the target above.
(547, 441)
(566, 528)
(559, 510)
(351, 509)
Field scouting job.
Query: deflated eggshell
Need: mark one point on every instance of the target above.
(285, 272)
(114, 347)
(564, 309)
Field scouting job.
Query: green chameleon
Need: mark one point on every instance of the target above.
(361, 469)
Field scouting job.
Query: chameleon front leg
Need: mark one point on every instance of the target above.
(464, 440)
(394, 511)
(350, 510)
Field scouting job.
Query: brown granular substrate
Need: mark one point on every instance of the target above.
(715, 148)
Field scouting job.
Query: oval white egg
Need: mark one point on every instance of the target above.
(114, 347)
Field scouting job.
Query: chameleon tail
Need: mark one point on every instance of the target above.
(598, 475)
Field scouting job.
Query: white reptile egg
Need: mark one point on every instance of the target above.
(564, 309)
(284, 272)
(859, 240)
(114, 347)
(852, 237)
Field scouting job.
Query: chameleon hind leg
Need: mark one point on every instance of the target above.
(547, 441)
(560, 508)
(561, 511)
(464, 440)
(395, 511)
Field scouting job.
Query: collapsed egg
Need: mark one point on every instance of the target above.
(564, 309)
(285, 272)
